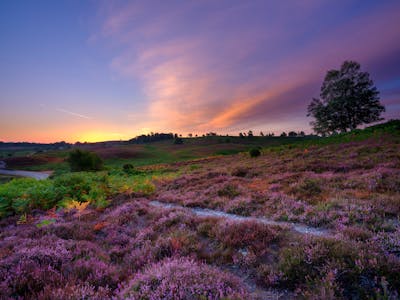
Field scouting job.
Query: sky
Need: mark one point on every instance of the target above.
(110, 70)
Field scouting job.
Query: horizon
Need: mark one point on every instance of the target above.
(186, 136)
(89, 71)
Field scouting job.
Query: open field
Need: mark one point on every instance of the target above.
(147, 154)
(231, 231)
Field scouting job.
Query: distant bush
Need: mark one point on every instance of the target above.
(254, 152)
(81, 160)
(178, 141)
(127, 167)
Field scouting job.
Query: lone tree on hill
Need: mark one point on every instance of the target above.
(348, 98)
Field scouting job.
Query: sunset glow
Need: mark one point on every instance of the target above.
(102, 70)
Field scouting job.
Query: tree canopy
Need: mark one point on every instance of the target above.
(348, 99)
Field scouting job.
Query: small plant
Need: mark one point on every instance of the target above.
(130, 169)
(254, 152)
(178, 141)
(240, 172)
(45, 223)
(81, 160)
(311, 186)
(229, 191)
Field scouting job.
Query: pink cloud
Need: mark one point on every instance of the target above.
(215, 75)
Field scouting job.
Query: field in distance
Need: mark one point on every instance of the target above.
(314, 218)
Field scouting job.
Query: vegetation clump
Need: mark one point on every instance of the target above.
(178, 141)
(240, 172)
(254, 152)
(81, 160)
(129, 169)
(182, 278)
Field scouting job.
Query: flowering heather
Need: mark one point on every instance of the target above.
(131, 249)
(182, 278)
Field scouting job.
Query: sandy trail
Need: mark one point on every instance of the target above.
(296, 227)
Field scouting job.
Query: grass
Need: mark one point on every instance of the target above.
(22, 195)
(94, 235)
(5, 178)
(149, 154)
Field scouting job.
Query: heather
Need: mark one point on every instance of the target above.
(96, 235)
(333, 186)
(133, 250)
(182, 279)
(129, 250)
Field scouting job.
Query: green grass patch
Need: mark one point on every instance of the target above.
(22, 195)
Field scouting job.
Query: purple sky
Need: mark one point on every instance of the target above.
(94, 71)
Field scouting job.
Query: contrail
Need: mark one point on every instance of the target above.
(72, 113)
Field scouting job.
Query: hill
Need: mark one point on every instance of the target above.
(310, 218)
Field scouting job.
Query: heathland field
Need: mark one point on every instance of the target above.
(315, 218)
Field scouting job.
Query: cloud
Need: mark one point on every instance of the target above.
(221, 65)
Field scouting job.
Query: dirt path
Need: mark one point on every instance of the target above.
(299, 228)
(32, 174)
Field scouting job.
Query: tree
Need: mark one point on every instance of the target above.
(81, 160)
(348, 99)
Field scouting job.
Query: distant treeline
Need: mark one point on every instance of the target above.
(36, 146)
(153, 137)
(141, 139)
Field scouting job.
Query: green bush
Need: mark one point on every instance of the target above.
(73, 186)
(24, 194)
(130, 169)
(254, 152)
(81, 160)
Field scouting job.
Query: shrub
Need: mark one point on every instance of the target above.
(309, 190)
(178, 141)
(24, 194)
(254, 152)
(182, 278)
(240, 172)
(229, 191)
(82, 187)
(245, 234)
(81, 160)
(130, 169)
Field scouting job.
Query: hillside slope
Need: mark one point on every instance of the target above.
(348, 185)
